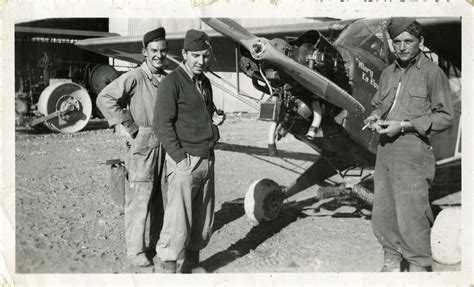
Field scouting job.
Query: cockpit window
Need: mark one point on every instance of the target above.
(368, 35)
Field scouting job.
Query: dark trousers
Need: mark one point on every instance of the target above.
(402, 216)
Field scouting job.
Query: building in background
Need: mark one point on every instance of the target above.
(49, 68)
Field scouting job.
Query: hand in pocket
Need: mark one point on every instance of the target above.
(184, 163)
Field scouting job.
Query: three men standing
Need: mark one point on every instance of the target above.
(412, 103)
(128, 104)
(186, 123)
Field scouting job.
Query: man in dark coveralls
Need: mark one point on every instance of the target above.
(412, 103)
(128, 104)
(186, 122)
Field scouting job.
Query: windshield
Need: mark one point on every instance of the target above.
(366, 34)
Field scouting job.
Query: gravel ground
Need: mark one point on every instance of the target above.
(67, 223)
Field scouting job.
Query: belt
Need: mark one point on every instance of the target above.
(384, 138)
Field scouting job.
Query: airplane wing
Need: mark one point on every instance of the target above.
(440, 33)
(128, 48)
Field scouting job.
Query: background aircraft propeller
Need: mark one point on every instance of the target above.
(261, 49)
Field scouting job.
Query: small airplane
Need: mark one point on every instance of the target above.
(337, 63)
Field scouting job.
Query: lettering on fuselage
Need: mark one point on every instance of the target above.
(367, 74)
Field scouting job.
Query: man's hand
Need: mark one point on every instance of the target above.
(390, 128)
(372, 122)
(131, 128)
(218, 118)
(184, 163)
(123, 131)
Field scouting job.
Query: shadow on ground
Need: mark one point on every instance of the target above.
(259, 151)
(330, 201)
(229, 212)
(92, 125)
(291, 212)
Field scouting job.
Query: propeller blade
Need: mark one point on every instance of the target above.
(310, 79)
(261, 49)
(233, 30)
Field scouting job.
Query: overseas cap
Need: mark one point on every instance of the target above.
(398, 25)
(196, 41)
(153, 35)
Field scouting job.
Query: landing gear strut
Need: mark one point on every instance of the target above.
(264, 199)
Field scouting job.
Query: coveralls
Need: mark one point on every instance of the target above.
(132, 96)
(184, 125)
(405, 163)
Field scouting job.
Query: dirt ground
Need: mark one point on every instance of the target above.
(66, 221)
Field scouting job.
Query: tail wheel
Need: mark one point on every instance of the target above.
(263, 200)
(71, 102)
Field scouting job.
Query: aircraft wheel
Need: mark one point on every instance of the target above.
(72, 101)
(263, 200)
(446, 236)
(100, 76)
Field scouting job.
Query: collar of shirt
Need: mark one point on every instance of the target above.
(193, 77)
(416, 61)
(149, 74)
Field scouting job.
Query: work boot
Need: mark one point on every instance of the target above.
(140, 260)
(392, 262)
(164, 266)
(417, 268)
(191, 261)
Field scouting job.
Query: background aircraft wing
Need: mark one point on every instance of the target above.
(440, 34)
(128, 48)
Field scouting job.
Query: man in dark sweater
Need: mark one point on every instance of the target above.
(186, 122)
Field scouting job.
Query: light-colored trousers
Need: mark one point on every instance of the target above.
(189, 213)
(143, 200)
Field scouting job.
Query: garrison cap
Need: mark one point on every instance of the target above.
(153, 35)
(196, 41)
(398, 25)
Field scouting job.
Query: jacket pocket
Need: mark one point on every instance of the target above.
(418, 101)
(418, 92)
(142, 166)
(143, 142)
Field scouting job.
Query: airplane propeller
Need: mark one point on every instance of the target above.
(262, 49)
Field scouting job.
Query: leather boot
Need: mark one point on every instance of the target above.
(191, 260)
(391, 262)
